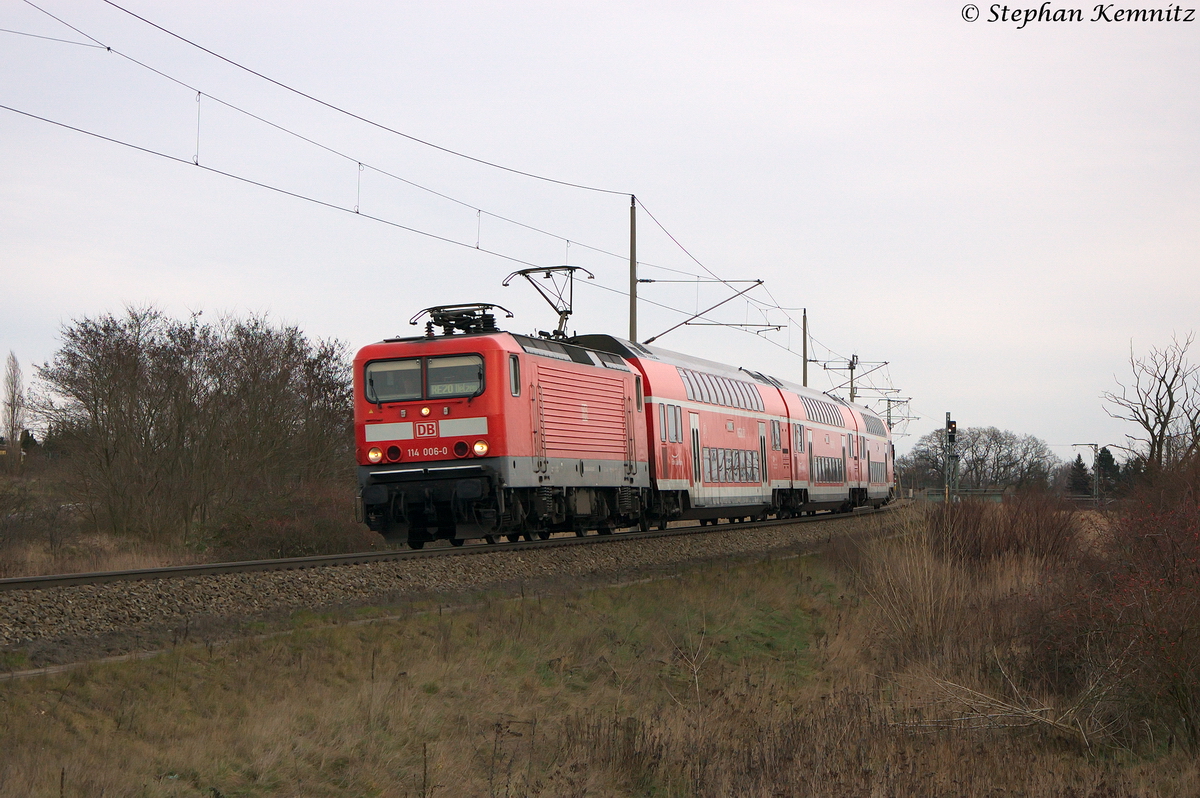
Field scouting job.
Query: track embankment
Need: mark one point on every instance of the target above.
(66, 624)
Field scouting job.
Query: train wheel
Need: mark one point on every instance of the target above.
(512, 538)
(543, 534)
(491, 539)
(580, 532)
(604, 530)
(643, 524)
(416, 544)
(457, 541)
(662, 523)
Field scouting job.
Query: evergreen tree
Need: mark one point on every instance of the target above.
(1109, 471)
(1079, 481)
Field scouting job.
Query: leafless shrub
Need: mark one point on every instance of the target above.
(169, 424)
(1029, 522)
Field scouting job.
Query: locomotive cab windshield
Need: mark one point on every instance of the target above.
(455, 376)
(413, 379)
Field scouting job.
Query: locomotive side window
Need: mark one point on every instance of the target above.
(393, 380)
(458, 375)
(637, 382)
(514, 375)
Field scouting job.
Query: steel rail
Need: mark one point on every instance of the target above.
(361, 558)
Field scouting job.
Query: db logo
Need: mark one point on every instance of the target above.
(427, 429)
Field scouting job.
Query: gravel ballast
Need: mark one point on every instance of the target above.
(70, 623)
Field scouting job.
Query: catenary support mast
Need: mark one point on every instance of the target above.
(633, 279)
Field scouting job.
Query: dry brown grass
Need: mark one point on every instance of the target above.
(760, 679)
(77, 552)
(40, 534)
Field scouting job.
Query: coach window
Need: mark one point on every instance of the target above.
(662, 422)
(678, 423)
(393, 380)
(514, 375)
(458, 375)
(799, 428)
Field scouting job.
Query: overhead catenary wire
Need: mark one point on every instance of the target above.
(368, 121)
(764, 307)
(314, 200)
(48, 38)
(267, 186)
(361, 118)
(338, 153)
(358, 162)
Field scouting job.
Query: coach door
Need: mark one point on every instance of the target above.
(811, 479)
(762, 452)
(700, 492)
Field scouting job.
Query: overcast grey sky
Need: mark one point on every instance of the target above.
(996, 211)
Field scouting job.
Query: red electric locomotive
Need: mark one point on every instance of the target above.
(480, 433)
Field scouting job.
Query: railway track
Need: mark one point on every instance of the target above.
(325, 561)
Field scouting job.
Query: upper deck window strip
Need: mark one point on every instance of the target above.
(875, 426)
(715, 390)
(824, 412)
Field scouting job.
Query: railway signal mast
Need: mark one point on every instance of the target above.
(950, 473)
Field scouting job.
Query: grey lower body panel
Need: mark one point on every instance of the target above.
(462, 499)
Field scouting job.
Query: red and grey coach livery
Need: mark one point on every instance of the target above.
(480, 433)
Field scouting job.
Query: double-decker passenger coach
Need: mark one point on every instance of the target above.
(480, 433)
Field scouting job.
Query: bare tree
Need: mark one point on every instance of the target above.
(174, 423)
(988, 458)
(14, 410)
(1164, 401)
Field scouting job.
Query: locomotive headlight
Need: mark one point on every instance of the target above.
(374, 454)
(480, 448)
(424, 411)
